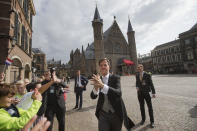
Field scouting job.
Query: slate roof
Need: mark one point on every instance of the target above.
(37, 51)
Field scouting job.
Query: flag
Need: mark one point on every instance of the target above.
(8, 61)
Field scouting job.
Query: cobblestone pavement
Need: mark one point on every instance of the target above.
(175, 105)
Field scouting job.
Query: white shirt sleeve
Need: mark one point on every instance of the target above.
(105, 89)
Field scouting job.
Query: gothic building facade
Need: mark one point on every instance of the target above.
(110, 44)
(16, 38)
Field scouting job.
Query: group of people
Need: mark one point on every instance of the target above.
(48, 100)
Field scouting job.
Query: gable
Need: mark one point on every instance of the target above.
(114, 40)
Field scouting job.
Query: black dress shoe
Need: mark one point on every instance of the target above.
(152, 125)
(142, 123)
(75, 107)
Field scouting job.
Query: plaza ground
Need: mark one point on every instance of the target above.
(175, 105)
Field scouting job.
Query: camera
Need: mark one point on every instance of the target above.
(60, 86)
(52, 71)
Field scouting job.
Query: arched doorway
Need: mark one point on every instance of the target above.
(27, 71)
(15, 70)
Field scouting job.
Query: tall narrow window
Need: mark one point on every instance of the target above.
(30, 45)
(16, 28)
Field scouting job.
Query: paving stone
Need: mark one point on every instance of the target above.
(175, 105)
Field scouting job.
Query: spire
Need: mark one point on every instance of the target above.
(97, 15)
(82, 48)
(114, 17)
(130, 29)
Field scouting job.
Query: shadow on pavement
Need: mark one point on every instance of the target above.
(193, 112)
(136, 126)
(144, 128)
(71, 111)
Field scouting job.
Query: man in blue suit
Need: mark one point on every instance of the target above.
(80, 86)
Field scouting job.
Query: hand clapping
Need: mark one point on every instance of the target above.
(97, 82)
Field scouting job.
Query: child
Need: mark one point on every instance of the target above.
(13, 118)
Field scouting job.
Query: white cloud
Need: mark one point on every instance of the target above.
(62, 26)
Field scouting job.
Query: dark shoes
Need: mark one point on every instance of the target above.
(152, 125)
(142, 122)
(75, 107)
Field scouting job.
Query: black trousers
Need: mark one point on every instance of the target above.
(60, 114)
(79, 96)
(109, 122)
(145, 96)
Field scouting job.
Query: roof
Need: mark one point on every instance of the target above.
(130, 29)
(52, 61)
(171, 43)
(89, 52)
(97, 15)
(194, 27)
(37, 51)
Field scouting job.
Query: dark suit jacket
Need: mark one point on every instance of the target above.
(146, 85)
(84, 82)
(114, 96)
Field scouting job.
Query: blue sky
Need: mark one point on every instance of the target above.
(64, 25)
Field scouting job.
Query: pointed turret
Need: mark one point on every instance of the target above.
(97, 25)
(97, 15)
(82, 51)
(130, 29)
(82, 48)
(132, 45)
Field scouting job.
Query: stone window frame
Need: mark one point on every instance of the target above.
(190, 55)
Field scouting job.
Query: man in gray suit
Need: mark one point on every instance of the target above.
(110, 109)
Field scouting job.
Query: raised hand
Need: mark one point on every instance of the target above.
(36, 95)
(97, 82)
(42, 125)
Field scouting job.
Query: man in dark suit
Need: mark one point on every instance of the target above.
(110, 109)
(80, 86)
(144, 85)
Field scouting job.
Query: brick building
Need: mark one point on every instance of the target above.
(16, 37)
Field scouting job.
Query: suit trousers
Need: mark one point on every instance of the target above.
(145, 96)
(60, 114)
(79, 96)
(109, 122)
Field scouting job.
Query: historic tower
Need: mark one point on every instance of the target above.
(97, 24)
(132, 45)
